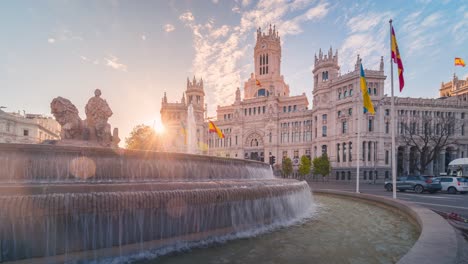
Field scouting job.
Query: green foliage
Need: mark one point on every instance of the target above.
(304, 166)
(143, 137)
(322, 165)
(287, 166)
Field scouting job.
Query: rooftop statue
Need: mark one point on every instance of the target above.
(94, 131)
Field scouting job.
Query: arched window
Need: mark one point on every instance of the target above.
(345, 94)
(375, 91)
(261, 92)
(350, 92)
(267, 60)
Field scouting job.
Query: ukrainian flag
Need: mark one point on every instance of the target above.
(367, 102)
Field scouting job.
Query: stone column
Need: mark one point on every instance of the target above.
(406, 160)
(442, 162)
(430, 168)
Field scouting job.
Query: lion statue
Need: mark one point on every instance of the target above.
(67, 116)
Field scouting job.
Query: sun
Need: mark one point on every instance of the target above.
(157, 126)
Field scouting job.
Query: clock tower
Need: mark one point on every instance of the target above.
(267, 79)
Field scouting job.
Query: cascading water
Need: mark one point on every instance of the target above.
(67, 204)
(191, 132)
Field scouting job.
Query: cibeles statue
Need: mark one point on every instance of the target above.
(94, 131)
(97, 114)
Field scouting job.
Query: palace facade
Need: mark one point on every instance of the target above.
(27, 128)
(270, 122)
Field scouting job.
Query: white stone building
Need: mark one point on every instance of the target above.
(28, 128)
(269, 121)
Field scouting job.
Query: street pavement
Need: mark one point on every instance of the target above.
(440, 201)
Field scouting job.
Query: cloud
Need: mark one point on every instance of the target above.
(187, 17)
(51, 40)
(220, 49)
(112, 62)
(368, 37)
(459, 30)
(168, 28)
(420, 31)
(88, 60)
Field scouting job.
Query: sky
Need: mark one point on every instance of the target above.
(134, 51)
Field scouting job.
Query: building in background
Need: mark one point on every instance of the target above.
(269, 122)
(455, 87)
(27, 128)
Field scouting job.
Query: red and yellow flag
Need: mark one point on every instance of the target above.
(397, 59)
(214, 129)
(459, 62)
(257, 82)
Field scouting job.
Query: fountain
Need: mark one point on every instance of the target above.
(83, 199)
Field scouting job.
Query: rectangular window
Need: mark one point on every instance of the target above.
(345, 127)
(324, 117)
(294, 108)
(387, 127)
(350, 151)
(284, 109)
(387, 112)
(296, 154)
(344, 152)
(369, 151)
(370, 125)
(387, 157)
(324, 131)
(25, 132)
(289, 108)
(338, 152)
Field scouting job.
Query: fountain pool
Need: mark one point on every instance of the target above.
(342, 231)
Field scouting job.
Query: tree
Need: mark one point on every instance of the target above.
(304, 166)
(428, 136)
(322, 165)
(143, 137)
(287, 166)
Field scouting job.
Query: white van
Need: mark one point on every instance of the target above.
(457, 168)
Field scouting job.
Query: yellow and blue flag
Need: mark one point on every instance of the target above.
(367, 102)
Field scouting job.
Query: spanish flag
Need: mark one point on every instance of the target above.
(214, 129)
(459, 62)
(367, 102)
(397, 59)
(257, 82)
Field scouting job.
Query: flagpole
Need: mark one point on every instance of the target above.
(393, 119)
(358, 158)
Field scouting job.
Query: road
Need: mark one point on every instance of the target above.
(440, 201)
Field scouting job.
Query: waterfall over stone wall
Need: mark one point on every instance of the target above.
(68, 203)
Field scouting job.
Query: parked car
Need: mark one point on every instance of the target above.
(419, 184)
(453, 185)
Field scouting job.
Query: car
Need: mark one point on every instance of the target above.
(453, 185)
(418, 184)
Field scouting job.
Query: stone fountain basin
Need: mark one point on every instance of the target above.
(67, 204)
